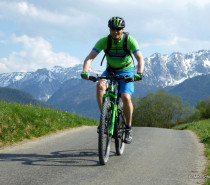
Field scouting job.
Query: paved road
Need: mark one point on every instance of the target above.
(156, 156)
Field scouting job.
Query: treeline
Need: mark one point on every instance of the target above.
(164, 110)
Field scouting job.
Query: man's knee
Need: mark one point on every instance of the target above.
(102, 85)
(126, 98)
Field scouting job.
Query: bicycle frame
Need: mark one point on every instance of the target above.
(113, 99)
(110, 118)
(112, 94)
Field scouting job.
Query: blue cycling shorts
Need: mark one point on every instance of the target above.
(124, 87)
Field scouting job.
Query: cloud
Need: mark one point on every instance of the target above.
(24, 11)
(78, 24)
(176, 44)
(36, 53)
(63, 19)
(28, 11)
(199, 3)
(37, 19)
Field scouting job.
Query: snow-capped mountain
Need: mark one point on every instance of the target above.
(170, 70)
(56, 73)
(43, 82)
(160, 71)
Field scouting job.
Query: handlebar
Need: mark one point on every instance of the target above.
(126, 79)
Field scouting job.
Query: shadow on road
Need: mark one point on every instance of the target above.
(78, 158)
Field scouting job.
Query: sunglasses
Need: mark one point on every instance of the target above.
(116, 29)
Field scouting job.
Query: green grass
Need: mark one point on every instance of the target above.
(19, 122)
(202, 130)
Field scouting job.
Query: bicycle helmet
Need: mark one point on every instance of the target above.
(116, 22)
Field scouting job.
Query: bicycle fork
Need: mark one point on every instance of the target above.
(114, 110)
(114, 114)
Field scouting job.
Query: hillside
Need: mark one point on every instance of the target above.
(77, 96)
(19, 122)
(17, 96)
(192, 90)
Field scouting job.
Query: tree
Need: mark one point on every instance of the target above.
(204, 108)
(157, 110)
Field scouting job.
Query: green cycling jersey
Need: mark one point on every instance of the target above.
(116, 57)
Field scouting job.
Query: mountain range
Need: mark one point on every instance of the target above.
(43, 83)
(63, 88)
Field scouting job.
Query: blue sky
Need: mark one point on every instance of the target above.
(36, 34)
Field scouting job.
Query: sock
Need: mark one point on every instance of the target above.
(127, 126)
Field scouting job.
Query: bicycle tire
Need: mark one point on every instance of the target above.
(104, 138)
(120, 131)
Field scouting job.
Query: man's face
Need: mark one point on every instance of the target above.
(116, 33)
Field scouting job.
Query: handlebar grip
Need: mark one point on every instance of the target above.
(93, 78)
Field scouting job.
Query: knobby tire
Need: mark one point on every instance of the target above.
(104, 138)
(120, 131)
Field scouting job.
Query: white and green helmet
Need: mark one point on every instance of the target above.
(116, 22)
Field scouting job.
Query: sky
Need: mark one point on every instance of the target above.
(38, 34)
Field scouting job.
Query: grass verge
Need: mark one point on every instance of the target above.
(19, 122)
(202, 130)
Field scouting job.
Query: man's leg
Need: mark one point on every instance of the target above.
(127, 107)
(102, 85)
(128, 112)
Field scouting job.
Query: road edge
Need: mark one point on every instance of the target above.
(198, 176)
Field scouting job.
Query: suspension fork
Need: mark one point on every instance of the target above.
(113, 101)
(114, 114)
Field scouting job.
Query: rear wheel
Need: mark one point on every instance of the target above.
(104, 138)
(120, 131)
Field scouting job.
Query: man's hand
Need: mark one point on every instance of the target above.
(85, 75)
(138, 76)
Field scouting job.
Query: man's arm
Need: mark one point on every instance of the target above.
(88, 60)
(140, 61)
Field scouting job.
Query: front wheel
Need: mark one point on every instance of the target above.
(120, 131)
(104, 138)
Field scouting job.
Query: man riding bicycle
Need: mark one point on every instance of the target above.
(120, 62)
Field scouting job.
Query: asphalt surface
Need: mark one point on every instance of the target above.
(156, 156)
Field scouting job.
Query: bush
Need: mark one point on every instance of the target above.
(202, 110)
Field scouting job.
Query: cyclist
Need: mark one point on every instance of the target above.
(121, 63)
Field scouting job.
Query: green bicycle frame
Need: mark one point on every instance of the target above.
(114, 106)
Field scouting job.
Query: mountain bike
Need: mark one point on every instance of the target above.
(112, 119)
